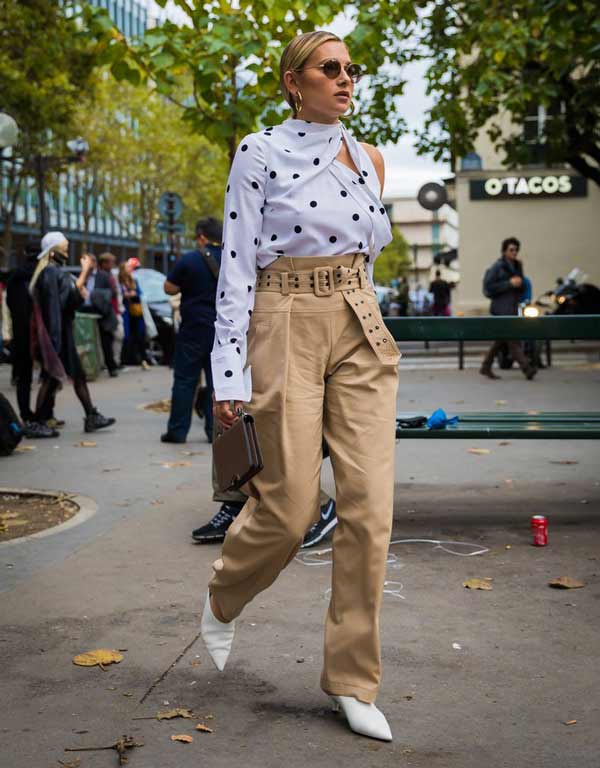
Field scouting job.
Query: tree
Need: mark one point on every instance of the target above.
(140, 148)
(394, 261)
(226, 60)
(497, 58)
(46, 66)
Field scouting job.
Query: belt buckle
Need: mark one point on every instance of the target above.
(328, 290)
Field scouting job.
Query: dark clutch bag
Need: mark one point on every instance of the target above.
(236, 454)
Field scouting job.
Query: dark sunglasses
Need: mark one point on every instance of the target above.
(332, 68)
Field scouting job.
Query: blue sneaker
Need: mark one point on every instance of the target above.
(324, 525)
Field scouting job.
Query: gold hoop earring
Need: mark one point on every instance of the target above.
(354, 106)
(298, 102)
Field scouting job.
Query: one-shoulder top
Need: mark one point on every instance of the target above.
(288, 195)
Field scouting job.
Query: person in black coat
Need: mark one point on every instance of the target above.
(99, 294)
(55, 299)
(503, 284)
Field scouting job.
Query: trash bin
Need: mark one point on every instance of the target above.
(87, 341)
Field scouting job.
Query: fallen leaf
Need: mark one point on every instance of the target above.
(129, 695)
(195, 663)
(566, 582)
(172, 464)
(100, 657)
(70, 763)
(479, 451)
(203, 728)
(508, 546)
(192, 453)
(156, 502)
(86, 444)
(504, 442)
(564, 461)
(25, 448)
(478, 584)
(182, 737)
(160, 406)
(169, 714)
(112, 469)
(569, 722)
(501, 402)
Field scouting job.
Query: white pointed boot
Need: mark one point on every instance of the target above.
(217, 636)
(363, 718)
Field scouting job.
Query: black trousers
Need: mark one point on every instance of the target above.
(106, 340)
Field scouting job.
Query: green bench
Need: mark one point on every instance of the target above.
(523, 425)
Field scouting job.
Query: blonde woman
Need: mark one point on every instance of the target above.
(300, 344)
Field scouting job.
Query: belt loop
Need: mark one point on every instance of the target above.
(285, 287)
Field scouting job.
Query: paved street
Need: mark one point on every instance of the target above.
(471, 678)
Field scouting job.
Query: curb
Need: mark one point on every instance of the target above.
(87, 508)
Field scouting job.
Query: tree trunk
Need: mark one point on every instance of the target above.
(7, 239)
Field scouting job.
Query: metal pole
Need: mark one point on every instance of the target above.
(41, 189)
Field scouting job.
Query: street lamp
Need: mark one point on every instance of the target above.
(9, 131)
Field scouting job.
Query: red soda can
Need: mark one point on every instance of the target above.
(539, 528)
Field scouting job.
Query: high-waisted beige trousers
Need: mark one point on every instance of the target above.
(323, 364)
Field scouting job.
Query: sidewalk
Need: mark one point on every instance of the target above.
(471, 678)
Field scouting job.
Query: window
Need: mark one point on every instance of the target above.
(534, 130)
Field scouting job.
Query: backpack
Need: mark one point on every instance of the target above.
(486, 278)
(11, 431)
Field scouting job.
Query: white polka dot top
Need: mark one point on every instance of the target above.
(287, 195)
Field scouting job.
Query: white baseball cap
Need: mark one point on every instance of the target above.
(49, 241)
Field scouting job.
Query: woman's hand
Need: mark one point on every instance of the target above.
(226, 412)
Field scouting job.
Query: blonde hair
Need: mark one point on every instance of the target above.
(296, 54)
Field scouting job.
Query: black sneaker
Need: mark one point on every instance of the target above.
(169, 437)
(35, 430)
(216, 529)
(326, 523)
(96, 420)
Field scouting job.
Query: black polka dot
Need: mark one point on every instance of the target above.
(332, 239)
(382, 210)
(313, 203)
(355, 217)
(228, 374)
(244, 147)
(361, 181)
(232, 341)
(365, 173)
(343, 193)
(262, 210)
(256, 241)
(273, 237)
(301, 133)
(372, 208)
(360, 245)
(249, 289)
(222, 294)
(368, 258)
(296, 176)
(228, 187)
(233, 215)
(298, 229)
(273, 174)
(233, 254)
(316, 161)
(255, 185)
(237, 349)
(280, 252)
(250, 313)
(289, 151)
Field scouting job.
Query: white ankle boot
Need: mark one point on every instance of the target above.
(363, 718)
(217, 636)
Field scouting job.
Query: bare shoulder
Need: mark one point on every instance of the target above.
(376, 159)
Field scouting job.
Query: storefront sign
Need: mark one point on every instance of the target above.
(510, 187)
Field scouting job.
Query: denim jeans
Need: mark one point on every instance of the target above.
(191, 357)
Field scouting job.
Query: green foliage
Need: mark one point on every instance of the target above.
(227, 60)
(394, 261)
(140, 148)
(495, 58)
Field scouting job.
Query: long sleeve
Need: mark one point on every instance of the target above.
(49, 294)
(242, 227)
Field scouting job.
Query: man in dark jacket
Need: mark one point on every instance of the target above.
(503, 284)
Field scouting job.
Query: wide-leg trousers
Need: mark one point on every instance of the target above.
(322, 366)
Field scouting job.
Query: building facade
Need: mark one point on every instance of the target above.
(552, 210)
(428, 234)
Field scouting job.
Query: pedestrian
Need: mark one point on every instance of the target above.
(134, 328)
(20, 306)
(420, 300)
(194, 276)
(440, 290)
(318, 362)
(503, 284)
(402, 297)
(99, 296)
(56, 297)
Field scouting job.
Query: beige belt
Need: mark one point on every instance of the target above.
(322, 281)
